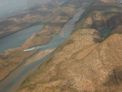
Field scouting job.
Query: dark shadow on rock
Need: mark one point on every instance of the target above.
(115, 78)
(106, 28)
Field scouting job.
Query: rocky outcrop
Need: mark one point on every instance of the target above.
(104, 21)
(105, 25)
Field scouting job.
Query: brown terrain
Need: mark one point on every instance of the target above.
(109, 1)
(89, 61)
(81, 66)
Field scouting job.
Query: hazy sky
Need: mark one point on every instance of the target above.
(19, 3)
(9, 6)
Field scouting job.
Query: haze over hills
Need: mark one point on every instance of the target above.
(9, 8)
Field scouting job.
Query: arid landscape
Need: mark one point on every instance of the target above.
(78, 49)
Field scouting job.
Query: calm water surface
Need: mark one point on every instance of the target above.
(17, 39)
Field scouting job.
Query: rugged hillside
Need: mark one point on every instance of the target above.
(81, 65)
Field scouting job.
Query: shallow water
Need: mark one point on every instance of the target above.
(17, 39)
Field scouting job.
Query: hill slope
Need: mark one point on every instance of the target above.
(81, 66)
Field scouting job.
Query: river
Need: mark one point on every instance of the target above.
(17, 39)
(14, 80)
(66, 31)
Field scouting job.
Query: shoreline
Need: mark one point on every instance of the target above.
(2, 36)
